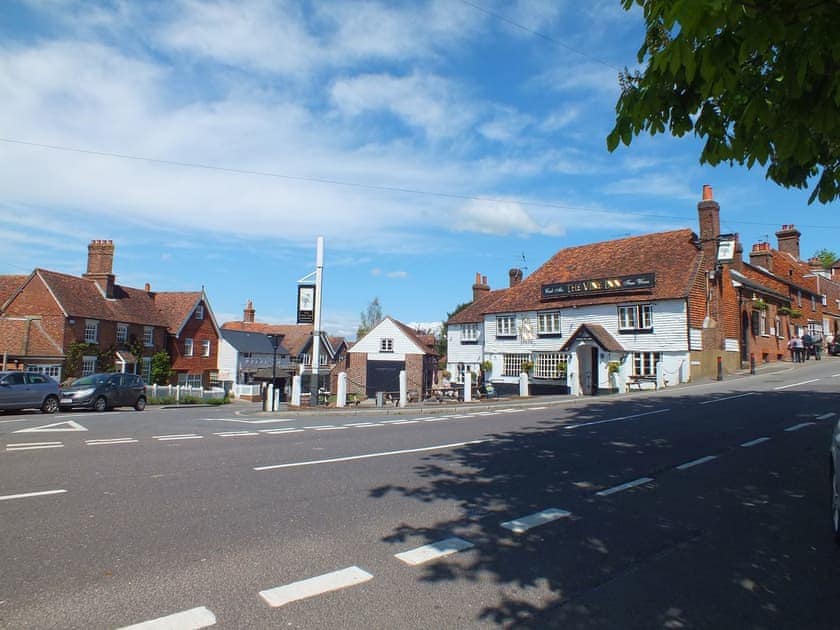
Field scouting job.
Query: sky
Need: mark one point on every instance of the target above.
(425, 141)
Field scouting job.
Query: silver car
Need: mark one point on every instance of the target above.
(834, 465)
(28, 390)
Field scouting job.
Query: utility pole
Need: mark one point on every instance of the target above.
(316, 326)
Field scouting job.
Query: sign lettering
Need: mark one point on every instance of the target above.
(615, 284)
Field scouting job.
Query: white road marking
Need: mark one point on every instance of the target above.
(282, 595)
(436, 419)
(696, 462)
(433, 551)
(15, 420)
(191, 619)
(185, 436)
(835, 375)
(523, 524)
(403, 421)
(351, 458)
(268, 421)
(460, 416)
(31, 446)
(756, 441)
(368, 426)
(280, 431)
(358, 424)
(72, 425)
(31, 494)
(536, 408)
(236, 433)
(826, 416)
(111, 441)
(329, 428)
(625, 486)
(619, 419)
(813, 380)
(510, 410)
(801, 425)
(716, 400)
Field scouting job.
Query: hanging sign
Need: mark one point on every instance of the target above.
(615, 284)
(306, 304)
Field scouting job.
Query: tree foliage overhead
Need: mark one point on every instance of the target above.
(758, 80)
(826, 257)
(369, 318)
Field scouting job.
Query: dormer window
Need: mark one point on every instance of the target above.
(199, 311)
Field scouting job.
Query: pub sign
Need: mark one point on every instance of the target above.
(306, 304)
(598, 286)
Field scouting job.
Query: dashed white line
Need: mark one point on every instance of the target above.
(523, 524)
(31, 446)
(796, 427)
(30, 494)
(697, 462)
(358, 424)
(351, 458)
(717, 400)
(826, 416)
(329, 428)
(110, 442)
(536, 408)
(436, 419)
(755, 442)
(191, 619)
(619, 419)
(433, 551)
(813, 380)
(282, 595)
(625, 486)
(280, 431)
(236, 433)
(185, 436)
(400, 421)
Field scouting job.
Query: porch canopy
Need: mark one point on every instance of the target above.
(596, 333)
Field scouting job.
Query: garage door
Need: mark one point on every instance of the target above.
(383, 376)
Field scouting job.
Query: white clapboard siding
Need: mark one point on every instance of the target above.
(457, 352)
(696, 339)
(386, 329)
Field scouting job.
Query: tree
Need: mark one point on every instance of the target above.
(161, 368)
(826, 258)
(370, 318)
(442, 344)
(758, 80)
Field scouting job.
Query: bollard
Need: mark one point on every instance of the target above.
(719, 369)
(752, 362)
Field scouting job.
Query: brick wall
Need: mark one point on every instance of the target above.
(199, 330)
(356, 373)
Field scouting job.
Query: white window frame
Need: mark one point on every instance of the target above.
(512, 363)
(122, 333)
(148, 336)
(88, 365)
(386, 345)
(189, 347)
(553, 365)
(205, 347)
(644, 363)
(635, 317)
(779, 331)
(199, 311)
(53, 371)
(548, 323)
(470, 332)
(147, 369)
(505, 325)
(762, 323)
(91, 331)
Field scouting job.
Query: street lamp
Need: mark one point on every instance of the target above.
(275, 341)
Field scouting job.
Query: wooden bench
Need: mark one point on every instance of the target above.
(638, 381)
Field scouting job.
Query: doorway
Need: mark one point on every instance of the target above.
(587, 357)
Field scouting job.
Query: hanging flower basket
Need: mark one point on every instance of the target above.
(759, 305)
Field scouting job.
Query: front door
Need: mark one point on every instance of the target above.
(593, 361)
(745, 334)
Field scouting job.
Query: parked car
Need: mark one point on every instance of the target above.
(833, 472)
(834, 348)
(105, 391)
(28, 390)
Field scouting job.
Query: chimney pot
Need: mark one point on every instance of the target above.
(148, 288)
(707, 193)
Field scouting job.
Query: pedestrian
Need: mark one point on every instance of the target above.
(818, 341)
(792, 349)
(808, 344)
(798, 349)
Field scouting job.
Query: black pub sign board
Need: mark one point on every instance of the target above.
(615, 284)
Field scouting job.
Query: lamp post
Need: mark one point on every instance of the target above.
(275, 341)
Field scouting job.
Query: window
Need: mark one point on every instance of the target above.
(813, 303)
(548, 323)
(551, 365)
(635, 317)
(190, 380)
(148, 336)
(779, 328)
(799, 298)
(88, 365)
(513, 363)
(762, 323)
(199, 311)
(505, 326)
(147, 369)
(15, 378)
(50, 370)
(205, 348)
(122, 333)
(188, 347)
(469, 332)
(33, 378)
(91, 331)
(386, 344)
(644, 363)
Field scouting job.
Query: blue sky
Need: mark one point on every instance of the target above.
(425, 141)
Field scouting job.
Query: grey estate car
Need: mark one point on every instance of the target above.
(28, 390)
(105, 391)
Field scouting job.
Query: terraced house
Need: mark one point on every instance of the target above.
(46, 317)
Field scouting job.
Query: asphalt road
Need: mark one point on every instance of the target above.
(703, 506)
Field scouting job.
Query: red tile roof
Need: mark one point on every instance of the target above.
(25, 336)
(599, 334)
(426, 342)
(176, 307)
(8, 285)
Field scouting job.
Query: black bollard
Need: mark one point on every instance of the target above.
(752, 362)
(719, 369)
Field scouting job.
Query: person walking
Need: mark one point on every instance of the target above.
(818, 341)
(792, 349)
(808, 345)
(798, 349)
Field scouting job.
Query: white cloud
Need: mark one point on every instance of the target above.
(588, 77)
(397, 274)
(670, 186)
(500, 218)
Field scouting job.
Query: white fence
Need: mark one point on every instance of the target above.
(251, 391)
(183, 391)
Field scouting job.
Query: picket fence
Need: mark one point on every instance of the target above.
(182, 391)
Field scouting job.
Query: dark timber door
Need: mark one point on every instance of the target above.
(594, 361)
(383, 376)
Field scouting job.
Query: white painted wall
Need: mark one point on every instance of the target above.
(227, 358)
(370, 343)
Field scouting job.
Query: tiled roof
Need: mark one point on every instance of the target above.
(474, 311)
(176, 307)
(8, 285)
(80, 297)
(599, 334)
(295, 336)
(426, 342)
(25, 336)
(757, 285)
(672, 256)
(251, 341)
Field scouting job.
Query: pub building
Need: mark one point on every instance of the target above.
(641, 312)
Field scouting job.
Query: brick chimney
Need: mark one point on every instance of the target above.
(738, 260)
(515, 276)
(480, 287)
(761, 256)
(248, 313)
(708, 214)
(100, 265)
(788, 238)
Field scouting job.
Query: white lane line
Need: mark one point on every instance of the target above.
(835, 375)
(697, 462)
(486, 413)
(523, 524)
(72, 425)
(460, 416)
(351, 458)
(536, 408)
(31, 494)
(236, 433)
(358, 424)
(619, 419)
(268, 421)
(280, 431)
(282, 595)
(433, 551)
(404, 422)
(625, 486)
(369, 426)
(184, 436)
(328, 428)
(31, 446)
(717, 400)
(813, 380)
(15, 420)
(510, 410)
(755, 442)
(110, 442)
(826, 416)
(796, 427)
(191, 619)
(436, 419)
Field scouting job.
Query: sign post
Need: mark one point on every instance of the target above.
(316, 324)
